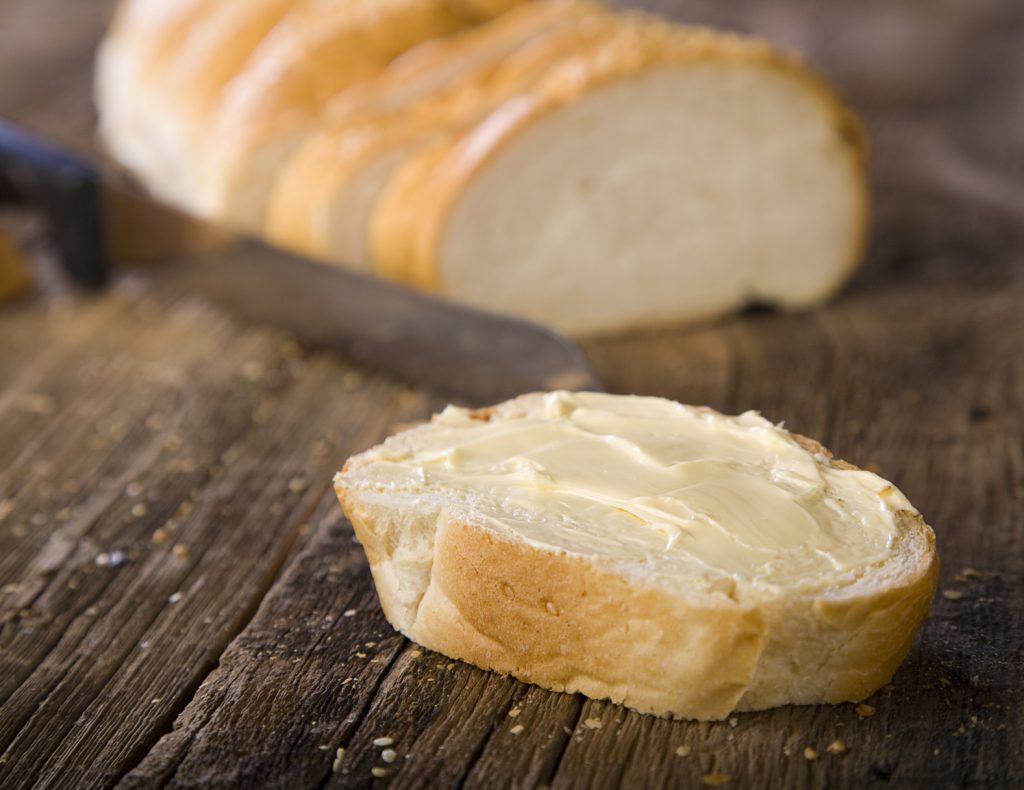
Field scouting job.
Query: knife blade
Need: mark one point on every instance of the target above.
(100, 219)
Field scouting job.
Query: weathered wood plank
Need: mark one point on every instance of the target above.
(108, 630)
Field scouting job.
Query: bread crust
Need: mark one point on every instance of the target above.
(322, 166)
(569, 623)
(312, 55)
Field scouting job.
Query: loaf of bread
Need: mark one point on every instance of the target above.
(551, 159)
(666, 557)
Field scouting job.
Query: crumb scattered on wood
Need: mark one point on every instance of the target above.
(864, 710)
(810, 753)
(715, 780)
(338, 757)
(684, 750)
(348, 613)
(952, 595)
(379, 772)
(517, 729)
(837, 747)
(174, 597)
(109, 559)
(159, 536)
(384, 740)
(733, 721)
(389, 755)
(593, 724)
(180, 550)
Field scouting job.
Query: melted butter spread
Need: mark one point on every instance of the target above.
(647, 482)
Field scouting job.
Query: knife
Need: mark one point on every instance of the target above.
(99, 221)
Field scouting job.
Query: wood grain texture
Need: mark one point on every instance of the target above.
(255, 654)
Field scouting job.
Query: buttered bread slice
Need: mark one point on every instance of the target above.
(670, 558)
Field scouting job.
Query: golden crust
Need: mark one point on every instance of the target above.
(411, 216)
(317, 51)
(369, 121)
(568, 623)
(355, 134)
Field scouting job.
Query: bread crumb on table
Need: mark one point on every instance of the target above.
(810, 753)
(180, 550)
(684, 750)
(383, 741)
(338, 757)
(379, 772)
(593, 724)
(952, 595)
(513, 712)
(837, 747)
(864, 710)
(715, 780)
(159, 536)
(517, 729)
(388, 755)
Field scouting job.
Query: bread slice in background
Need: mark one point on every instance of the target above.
(324, 198)
(676, 174)
(667, 557)
(318, 50)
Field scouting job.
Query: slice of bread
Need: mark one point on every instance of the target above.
(666, 557)
(318, 50)
(673, 175)
(323, 201)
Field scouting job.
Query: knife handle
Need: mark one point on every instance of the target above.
(65, 189)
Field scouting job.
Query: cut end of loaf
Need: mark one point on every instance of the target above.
(674, 194)
(672, 559)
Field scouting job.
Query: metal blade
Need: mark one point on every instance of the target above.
(449, 348)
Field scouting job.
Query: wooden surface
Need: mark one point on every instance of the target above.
(182, 604)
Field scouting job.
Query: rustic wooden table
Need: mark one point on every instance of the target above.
(182, 603)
